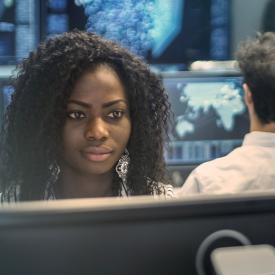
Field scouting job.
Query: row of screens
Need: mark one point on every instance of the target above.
(172, 32)
(210, 117)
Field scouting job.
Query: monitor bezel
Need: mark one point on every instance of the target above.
(133, 209)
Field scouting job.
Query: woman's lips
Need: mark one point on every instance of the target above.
(97, 154)
(96, 157)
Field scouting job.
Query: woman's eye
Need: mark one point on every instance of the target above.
(115, 114)
(76, 115)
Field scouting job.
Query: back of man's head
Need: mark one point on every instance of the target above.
(256, 60)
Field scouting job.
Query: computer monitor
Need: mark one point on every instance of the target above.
(6, 90)
(166, 33)
(58, 16)
(19, 30)
(210, 116)
(188, 30)
(131, 236)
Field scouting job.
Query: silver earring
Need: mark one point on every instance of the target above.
(55, 171)
(54, 176)
(122, 168)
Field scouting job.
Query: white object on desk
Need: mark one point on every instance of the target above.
(244, 260)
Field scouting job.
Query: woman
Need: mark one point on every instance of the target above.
(87, 119)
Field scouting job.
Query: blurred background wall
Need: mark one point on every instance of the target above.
(247, 17)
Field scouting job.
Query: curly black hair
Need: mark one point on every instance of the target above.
(256, 60)
(33, 123)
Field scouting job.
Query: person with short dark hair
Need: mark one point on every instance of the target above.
(87, 119)
(251, 166)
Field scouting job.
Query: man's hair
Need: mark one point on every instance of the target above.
(31, 138)
(256, 60)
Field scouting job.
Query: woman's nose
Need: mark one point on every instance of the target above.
(96, 129)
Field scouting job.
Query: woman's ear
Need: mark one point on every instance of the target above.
(247, 95)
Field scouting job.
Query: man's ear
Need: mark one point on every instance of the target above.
(247, 95)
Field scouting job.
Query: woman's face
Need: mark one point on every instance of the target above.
(98, 125)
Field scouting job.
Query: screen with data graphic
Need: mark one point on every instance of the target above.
(165, 32)
(19, 29)
(210, 117)
(189, 30)
(58, 16)
(6, 91)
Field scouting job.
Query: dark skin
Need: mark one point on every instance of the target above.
(33, 125)
(95, 134)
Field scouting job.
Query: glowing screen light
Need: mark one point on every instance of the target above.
(125, 21)
(167, 18)
(139, 25)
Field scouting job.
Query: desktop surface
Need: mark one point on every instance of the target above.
(130, 236)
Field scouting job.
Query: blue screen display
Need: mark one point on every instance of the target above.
(6, 91)
(210, 117)
(164, 32)
(19, 29)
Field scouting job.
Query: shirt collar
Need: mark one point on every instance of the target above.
(257, 138)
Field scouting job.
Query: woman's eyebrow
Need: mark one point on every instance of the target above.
(110, 103)
(81, 103)
(105, 105)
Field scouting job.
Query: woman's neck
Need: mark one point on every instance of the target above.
(73, 185)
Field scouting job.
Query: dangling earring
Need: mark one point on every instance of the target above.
(122, 168)
(55, 171)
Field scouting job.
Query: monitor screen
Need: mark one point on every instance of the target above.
(210, 117)
(189, 30)
(19, 29)
(131, 236)
(166, 33)
(6, 90)
(58, 16)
